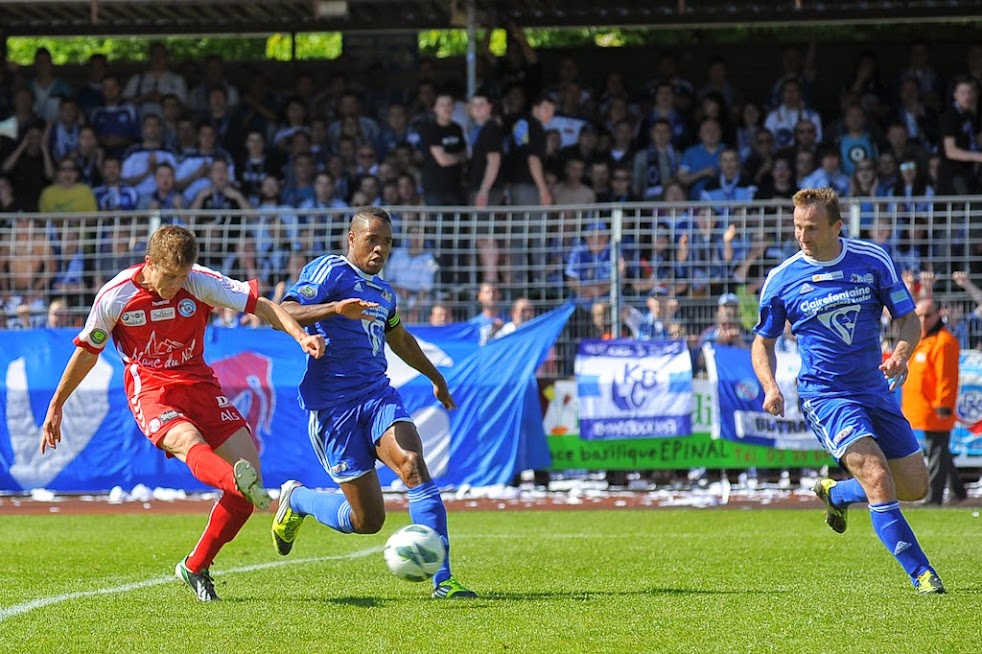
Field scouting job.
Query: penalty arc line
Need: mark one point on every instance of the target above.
(41, 602)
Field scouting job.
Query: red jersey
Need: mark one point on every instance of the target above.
(162, 341)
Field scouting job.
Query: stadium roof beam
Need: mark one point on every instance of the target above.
(156, 17)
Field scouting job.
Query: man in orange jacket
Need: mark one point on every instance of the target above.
(929, 398)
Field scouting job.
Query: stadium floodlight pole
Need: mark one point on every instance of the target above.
(616, 232)
(471, 50)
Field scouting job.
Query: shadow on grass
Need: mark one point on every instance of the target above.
(586, 596)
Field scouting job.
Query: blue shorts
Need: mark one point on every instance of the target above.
(344, 436)
(840, 421)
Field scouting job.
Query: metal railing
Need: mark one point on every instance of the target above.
(614, 260)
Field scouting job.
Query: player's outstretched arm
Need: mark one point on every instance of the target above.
(279, 318)
(765, 363)
(308, 314)
(78, 367)
(407, 348)
(895, 366)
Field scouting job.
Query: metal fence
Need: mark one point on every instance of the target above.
(625, 265)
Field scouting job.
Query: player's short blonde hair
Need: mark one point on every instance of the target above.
(820, 197)
(173, 245)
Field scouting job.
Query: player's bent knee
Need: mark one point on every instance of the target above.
(412, 469)
(368, 524)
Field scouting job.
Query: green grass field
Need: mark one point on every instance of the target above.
(591, 581)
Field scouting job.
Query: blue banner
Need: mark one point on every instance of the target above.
(634, 389)
(496, 431)
(966, 438)
(741, 398)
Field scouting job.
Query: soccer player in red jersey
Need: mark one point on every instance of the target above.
(157, 312)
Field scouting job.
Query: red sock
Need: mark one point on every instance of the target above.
(209, 468)
(227, 517)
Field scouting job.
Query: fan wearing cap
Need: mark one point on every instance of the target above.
(588, 265)
(728, 330)
(67, 194)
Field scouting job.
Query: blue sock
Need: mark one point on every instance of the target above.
(847, 492)
(892, 528)
(330, 509)
(426, 508)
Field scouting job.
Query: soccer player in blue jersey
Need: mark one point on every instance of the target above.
(833, 292)
(355, 416)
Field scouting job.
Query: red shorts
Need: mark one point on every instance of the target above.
(203, 404)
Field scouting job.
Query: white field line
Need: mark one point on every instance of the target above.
(26, 607)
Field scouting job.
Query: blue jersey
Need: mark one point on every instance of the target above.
(353, 365)
(834, 308)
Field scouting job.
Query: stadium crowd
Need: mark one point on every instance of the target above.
(164, 141)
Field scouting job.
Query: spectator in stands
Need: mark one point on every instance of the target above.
(659, 315)
(165, 197)
(195, 164)
(657, 164)
(758, 163)
(522, 311)
(8, 203)
(146, 88)
(411, 271)
(324, 197)
(700, 162)
(912, 183)
(67, 194)
(863, 188)
(805, 163)
(89, 95)
(921, 121)
(780, 183)
(829, 173)
(960, 150)
(140, 161)
(72, 279)
(727, 329)
(782, 120)
(902, 147)
(729, 185)
(395, 130)
(621, 149)
(112, 194)
(29, 167)
(221, 116)
(968, 330)
(571, 190)
(887, 172)
(805, 139)
(587, 270)
(700, 265)
(349, 107)
(620, 185)
(213, 78)
(751, 120)
(930, 85)
(300, 184)
(444, 154)
(59, 315)
(294, 120)
(28, 263)
(490, 319)
(47, 89)
(656, 270)
(88, 157)
(440, 315)
(798, 66)
(23, 110)
(867, 86)
(63, 134)
(664, 108)
(257, 110)
(855, 142)
(221, 231)
(255, 165)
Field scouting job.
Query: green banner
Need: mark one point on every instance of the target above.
(698, 450)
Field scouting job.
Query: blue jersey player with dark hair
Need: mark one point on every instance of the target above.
(355, 416)
(833, 292)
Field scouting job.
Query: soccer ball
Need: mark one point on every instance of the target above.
(414, 553)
